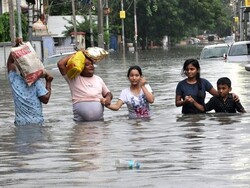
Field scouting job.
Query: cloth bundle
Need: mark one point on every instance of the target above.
(28, 63)
(96, 54)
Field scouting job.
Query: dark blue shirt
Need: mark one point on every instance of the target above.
(185, 89)
(227, 106)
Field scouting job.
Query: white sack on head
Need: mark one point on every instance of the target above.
(96, 54)
(28, 63)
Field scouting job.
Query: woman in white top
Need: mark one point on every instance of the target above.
(137, 97)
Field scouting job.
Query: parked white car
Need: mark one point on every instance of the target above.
(247, 67)
(239, 52)
(214, 51)
(50, 63)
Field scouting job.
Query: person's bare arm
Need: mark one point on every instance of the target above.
(45, 98)
(11, 64)
(149, 96)
(62, 64)
(198, 106)
(116, 106)
(179, 101)
(214, 92)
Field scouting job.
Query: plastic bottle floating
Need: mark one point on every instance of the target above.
(130, 164)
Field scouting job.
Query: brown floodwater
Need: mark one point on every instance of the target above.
(175, 150)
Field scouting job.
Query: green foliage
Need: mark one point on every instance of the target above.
(64, 7)
(82, 27)
(5, 27)
(106, 36)
(60, 7)
(157, 18)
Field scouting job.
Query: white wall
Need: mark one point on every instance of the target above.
(4, 54)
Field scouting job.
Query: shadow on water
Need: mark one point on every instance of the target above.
(205, 150)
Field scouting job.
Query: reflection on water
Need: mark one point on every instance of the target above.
(28, 139)
(175, 150)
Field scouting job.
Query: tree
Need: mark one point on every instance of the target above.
(157, 18)
(82, 26)
(5, 27)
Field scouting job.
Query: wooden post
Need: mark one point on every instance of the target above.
(12, 22)
(100, 24)
(74, 20)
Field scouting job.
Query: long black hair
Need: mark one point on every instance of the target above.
(193, 62)
(196, 64)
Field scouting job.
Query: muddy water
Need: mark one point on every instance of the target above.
(209, 150)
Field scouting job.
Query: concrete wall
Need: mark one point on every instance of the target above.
(44, 47)
(5, 48)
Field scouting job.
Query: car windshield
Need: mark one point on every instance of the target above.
(215, 52)
(240, 49)
(51, 62)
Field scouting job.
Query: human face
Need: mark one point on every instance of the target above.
(191, 71)
(223, 90)
(89, 68)
(134, 77)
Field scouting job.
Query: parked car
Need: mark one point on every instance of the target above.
(247, 67)
(239, 52)
(51, 61)
(229, 39)
(194, 40)
(214, 51)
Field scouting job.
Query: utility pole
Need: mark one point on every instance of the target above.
(100, 24)
(107, 23)
(74, 20)
(123, 35)
(135, 21)
(241, 24)
(18, 7)
(91, 26)
(30, 7)
(12, 22)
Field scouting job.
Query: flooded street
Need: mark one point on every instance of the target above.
(175, 150)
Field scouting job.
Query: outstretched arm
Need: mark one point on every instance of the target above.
(106, 100)
(214, 92)
(116, 106)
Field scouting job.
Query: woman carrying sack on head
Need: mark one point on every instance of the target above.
(87, 89)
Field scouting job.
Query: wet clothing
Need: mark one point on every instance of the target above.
(86, 93)
(82, 112)
(138, 106)
(197, 91)
(86, 88)
(227, 106)
(28, 107)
